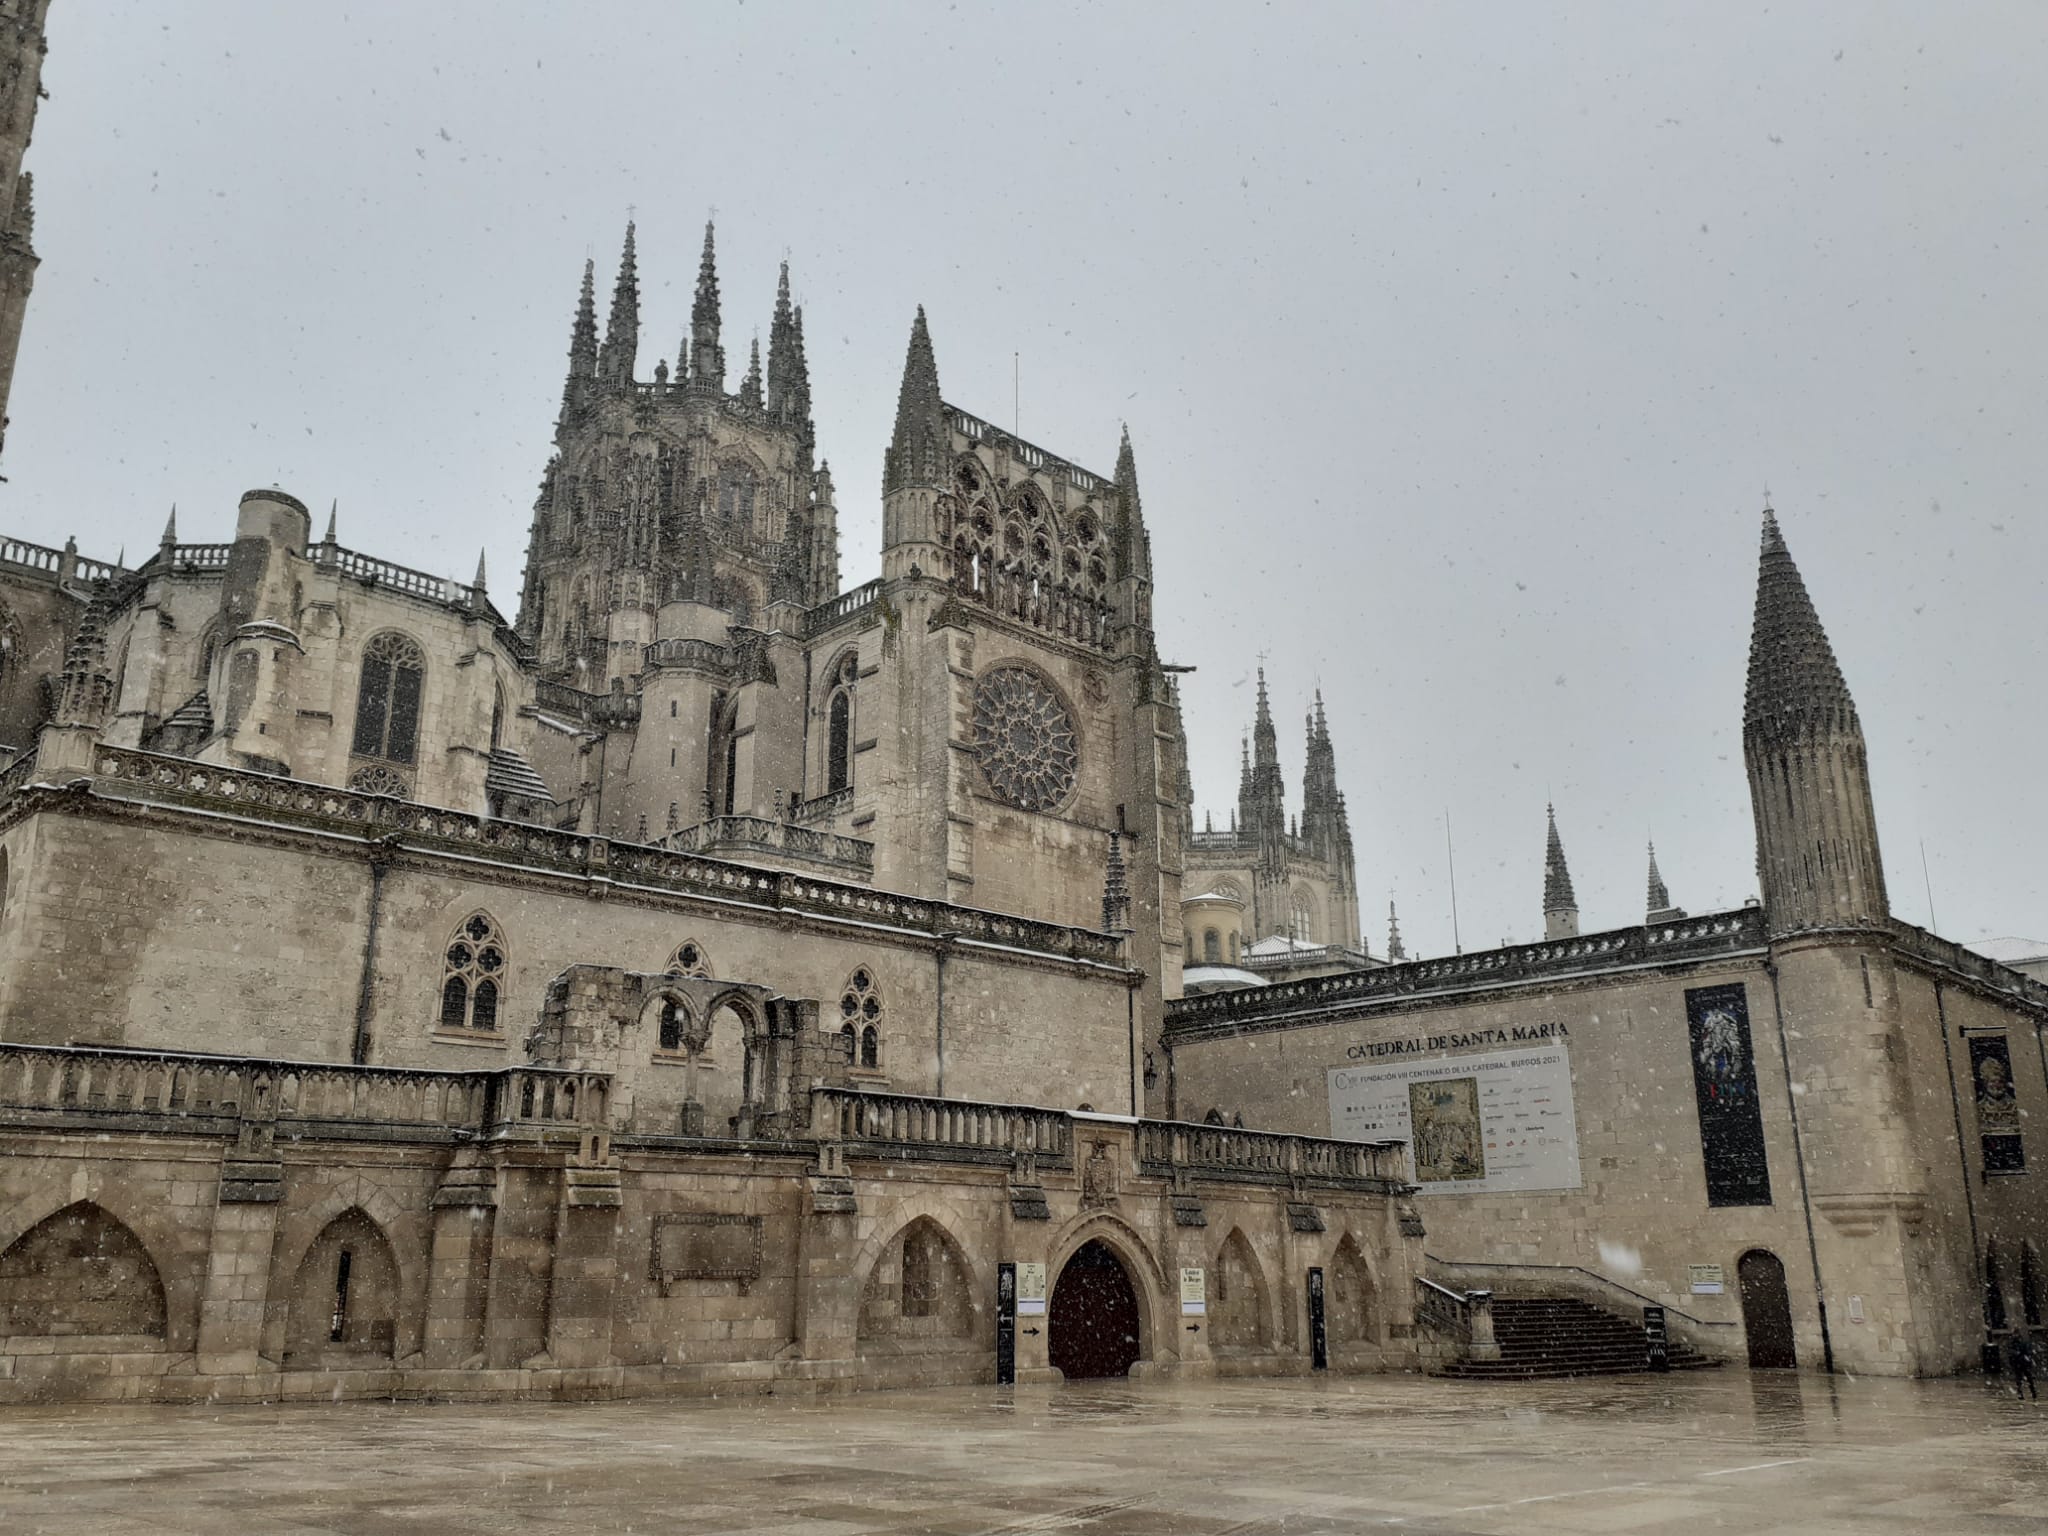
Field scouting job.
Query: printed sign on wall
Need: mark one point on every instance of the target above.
(1724, 1086)
(1031, 1290)
(1998, 1108)
(1194, 1293)
(1478, 1124)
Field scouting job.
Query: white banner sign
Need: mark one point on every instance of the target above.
(1487, 1123)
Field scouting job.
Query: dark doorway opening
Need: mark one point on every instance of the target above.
(1766, 1311)
(1094, 1316)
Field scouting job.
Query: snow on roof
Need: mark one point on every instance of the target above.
(2011, 951)
(1219, 976)
(1280, 944)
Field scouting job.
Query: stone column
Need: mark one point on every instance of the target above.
(459, 1264)
(236, 1295)
(827, 1295)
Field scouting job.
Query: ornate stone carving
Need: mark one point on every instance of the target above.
(1024, 739)
(1099, 1177)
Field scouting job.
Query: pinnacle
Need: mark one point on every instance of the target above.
(171, 526)
(706, 306)
(916, 455)
(333, 511)
(479, 582)
(1795, 683)
(1557, 879)
(1659, 895)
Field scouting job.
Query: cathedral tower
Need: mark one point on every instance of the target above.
(1809, 781)
(22, 46)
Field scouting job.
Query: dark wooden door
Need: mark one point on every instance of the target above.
(1094, 1316)
(1766, 1311)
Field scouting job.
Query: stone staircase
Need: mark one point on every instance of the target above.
(1550, 1336)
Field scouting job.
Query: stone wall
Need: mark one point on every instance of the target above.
(176, 1227)
(1880, 1205)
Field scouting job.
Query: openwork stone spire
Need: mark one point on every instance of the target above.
(1396, 950)
(916, 457)
(707, 357)
(622, 331)
(1809, 778)
(750, 386)
(1134, 543)
(781, 342)
(1560, 906)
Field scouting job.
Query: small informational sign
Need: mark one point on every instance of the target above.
(1194, 1293)
(1707, 1279)
(1855, 1309)
(1031, 1290)
(1656, 1338)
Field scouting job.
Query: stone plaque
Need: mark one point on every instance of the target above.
(705, 1246)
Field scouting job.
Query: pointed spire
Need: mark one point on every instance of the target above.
(583, 332)
(798, 403)
(750, 387)
(1794, 681)
(781, 340)
(1396, 950)
(1264, 739)
(707, 357)
(1133, 545)
(479, 582)
(170, 537)
(917, 453)
(1116, 888)
(1560, 906)
(622, 331)
(1659, 897)
(1809, 777)
(86, 688)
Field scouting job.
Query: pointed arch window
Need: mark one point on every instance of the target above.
(839, 726)
(473, 976)
(861, 1014)
(388, 695)
(676, 1025)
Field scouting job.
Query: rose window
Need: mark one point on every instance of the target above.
(1024, 739)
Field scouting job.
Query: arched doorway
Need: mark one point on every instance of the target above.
(1094, 1315)
(1766, 1311)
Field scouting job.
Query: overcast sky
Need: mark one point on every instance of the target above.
(1457, 344)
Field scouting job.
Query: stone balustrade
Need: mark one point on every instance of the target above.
(1693, 938)
(775, 839)
(1214, 1151)
(173, 1091)
(429, 829)
(911, 1125)
(1463, 1317)
(837, 610)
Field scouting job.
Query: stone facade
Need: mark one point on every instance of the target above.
(1885, 1077)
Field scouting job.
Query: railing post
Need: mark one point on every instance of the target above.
(1479, 1314)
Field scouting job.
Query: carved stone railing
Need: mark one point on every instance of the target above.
(1692, 939)
(839, 609)
(399, 578)
(1030, 454)
(431, 829)
(1315, 954)
(1967, 963)
(822, 807)
(1463, 1317)
(911, 1126)
(775, 839)
(64, 565)
(171, 1091)
(19, 772)
(200, 557)
(1266, 1157)
(706, 655)
(599, 709)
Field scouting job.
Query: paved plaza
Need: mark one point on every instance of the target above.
(1724, 1452)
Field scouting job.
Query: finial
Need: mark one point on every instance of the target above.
(479, 582)
(171, 527)
(333, 510)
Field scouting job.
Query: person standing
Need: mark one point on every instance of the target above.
(2019, 1357)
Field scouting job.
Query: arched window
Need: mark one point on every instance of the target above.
(1301, 917)
(674, 1030)
(860, 1012)
(736, 495)
(689, 960)
(1212, 947)
(839, 726)
(388, 699)
(473, 982)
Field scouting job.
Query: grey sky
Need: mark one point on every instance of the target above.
(1457, 346)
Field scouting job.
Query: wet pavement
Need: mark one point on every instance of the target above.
(1721, 1451)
